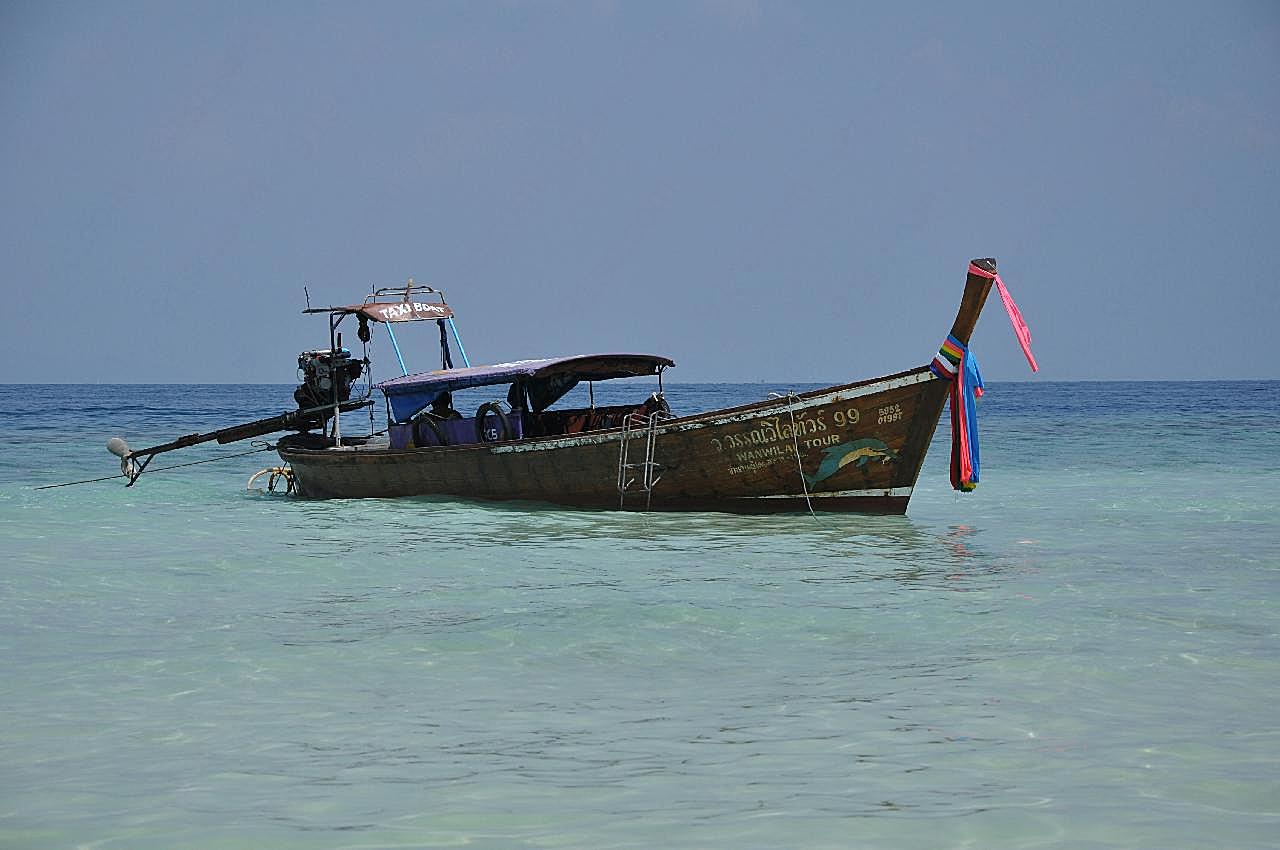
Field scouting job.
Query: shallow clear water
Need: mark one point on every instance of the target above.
(1082, 653)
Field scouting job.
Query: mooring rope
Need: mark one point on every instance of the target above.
(795, 442)
(276, 473)
(158, 469)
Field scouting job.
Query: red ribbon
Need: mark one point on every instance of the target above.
(1020, 328)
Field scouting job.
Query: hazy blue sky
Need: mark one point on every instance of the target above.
(762, 191)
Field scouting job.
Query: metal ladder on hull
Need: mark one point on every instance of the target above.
(650, 470)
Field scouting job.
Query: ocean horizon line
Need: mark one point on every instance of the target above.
(667, 382)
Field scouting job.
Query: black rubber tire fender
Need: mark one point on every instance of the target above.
(483, 413)
(432, 427)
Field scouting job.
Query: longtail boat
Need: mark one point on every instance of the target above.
(852, 447)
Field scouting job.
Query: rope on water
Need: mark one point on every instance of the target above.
(159, 469)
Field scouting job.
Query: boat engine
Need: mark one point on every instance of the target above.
(320, 371)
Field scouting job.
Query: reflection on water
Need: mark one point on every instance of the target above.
(835, 547)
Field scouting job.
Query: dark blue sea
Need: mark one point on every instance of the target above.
(1082, 653)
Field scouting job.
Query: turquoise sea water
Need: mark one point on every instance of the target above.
(1083, 653)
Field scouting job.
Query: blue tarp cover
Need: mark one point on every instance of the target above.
(545, 380)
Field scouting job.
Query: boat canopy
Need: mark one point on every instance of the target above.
(544, 381)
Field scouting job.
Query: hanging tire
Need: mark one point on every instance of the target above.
(499, 435)
(423, 426)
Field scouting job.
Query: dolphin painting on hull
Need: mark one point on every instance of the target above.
(858, 452)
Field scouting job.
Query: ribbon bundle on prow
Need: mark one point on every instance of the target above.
(955, 363)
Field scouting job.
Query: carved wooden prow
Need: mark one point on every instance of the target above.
(976, 287)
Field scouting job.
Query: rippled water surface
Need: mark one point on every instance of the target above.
(1082, 653)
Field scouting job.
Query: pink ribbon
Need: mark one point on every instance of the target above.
(1020, 328)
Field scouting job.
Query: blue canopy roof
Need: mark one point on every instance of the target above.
(545, 380)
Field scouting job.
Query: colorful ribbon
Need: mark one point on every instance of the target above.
(955, 363)
(1020, 328)
(946, 363)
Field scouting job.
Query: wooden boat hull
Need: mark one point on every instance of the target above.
(856, 447)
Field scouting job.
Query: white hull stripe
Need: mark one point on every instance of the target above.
(885, 492)
(918, 377)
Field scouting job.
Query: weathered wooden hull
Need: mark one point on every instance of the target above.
(856, 447)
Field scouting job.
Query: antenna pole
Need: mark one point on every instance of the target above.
(458, 340)
(396, 346)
